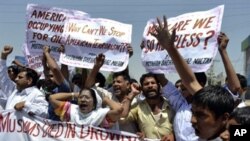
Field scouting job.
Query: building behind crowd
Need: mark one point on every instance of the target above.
(245, 47)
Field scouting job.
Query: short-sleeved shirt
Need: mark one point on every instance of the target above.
(144, 117)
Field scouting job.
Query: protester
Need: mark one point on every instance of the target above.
(13, 71)
(154, 114)
(23, 93)
(120, 89)
(208, 118)
(180, 101)
(55, 81)
(88, 110)
(239, 116)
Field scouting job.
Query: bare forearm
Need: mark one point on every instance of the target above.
(51, 62)
(57, 99)
(63, 96)
(65, 71)
(233, 81)
(126, 104)
(115, 109)
(186, 74)
(112, 104)
(92, 76)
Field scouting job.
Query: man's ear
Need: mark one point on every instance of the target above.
(30, 80)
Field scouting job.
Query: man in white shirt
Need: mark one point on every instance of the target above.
(23, 93)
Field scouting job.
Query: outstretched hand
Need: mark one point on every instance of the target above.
(162, 33)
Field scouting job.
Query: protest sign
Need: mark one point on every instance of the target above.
(45, 26)
(86, 38)
(196, 40)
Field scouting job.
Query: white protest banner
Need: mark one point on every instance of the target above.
(16, 125)
(45, 26)
(196, 41)
(86, 38)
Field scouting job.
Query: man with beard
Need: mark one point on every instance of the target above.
(54, 82)
(153, 115)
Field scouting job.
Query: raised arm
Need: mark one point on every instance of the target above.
(233, 81)
(6, 84)
(115, 109)
(64, 68)
(130, 52)
(6, 51)
(126, 103)
(45, 66)
(92, 75)
(167, 42)
(56, 100)
(53, 66)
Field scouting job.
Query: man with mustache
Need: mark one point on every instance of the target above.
(154, 114)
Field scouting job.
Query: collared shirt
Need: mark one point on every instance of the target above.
(34, 99)
(182, 121)
(144, 117)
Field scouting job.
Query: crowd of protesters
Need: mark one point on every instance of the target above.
(152, 108)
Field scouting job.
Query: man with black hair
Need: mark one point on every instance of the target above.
(206, 121)
(13, 71)
(100, 80)
(154, 114)
(211, 108)
(120, 90)
(23, 93)
(239, 116)
(55, 80)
